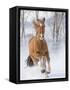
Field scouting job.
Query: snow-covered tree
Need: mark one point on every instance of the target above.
(37, 14)
(58, 17)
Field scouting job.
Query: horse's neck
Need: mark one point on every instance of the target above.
(39, 41)
(40, 44)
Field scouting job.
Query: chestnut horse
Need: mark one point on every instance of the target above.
(38, 49)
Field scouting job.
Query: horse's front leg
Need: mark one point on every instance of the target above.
(49, 66)
(42, 64)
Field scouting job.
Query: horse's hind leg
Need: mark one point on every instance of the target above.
(30, 61)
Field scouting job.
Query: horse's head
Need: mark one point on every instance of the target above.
(40, 28)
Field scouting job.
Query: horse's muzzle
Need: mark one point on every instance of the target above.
(41, 36)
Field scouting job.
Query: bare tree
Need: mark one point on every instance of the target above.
(22, 24)
(23, 21)
(57, 25)
(54, 25)
(54, 28)
(37, 14)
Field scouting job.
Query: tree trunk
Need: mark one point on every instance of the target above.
(37, 14)
(54, 30)
(23, 32)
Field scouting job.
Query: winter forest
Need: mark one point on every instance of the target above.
(54, 36)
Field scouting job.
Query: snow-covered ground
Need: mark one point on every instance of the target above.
(57, 58)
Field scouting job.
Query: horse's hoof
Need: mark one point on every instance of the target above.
(48, 72)
(43, 71)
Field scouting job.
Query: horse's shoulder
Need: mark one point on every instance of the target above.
(32, 40)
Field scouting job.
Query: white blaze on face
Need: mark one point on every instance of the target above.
(41, 36)
(40, 24)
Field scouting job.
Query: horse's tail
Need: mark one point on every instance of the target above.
(29, 61)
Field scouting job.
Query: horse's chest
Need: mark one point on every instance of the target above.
(41, 47)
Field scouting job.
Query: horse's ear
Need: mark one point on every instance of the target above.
(44, 19)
